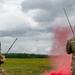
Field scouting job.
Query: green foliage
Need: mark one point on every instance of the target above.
(28, 66)
(24, 55)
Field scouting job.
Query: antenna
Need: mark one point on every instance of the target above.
(68, 21)
(11, 46)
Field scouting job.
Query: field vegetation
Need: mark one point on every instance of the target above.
(25, 55)
(27, 66)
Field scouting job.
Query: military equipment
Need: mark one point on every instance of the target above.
(11, 46)
(68, 21)
(2, 59)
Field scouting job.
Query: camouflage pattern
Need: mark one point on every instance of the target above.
(70, 49)
(2, 60)
(2, 71)
(73, 67)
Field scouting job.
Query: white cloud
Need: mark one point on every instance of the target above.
(48, 49)
(16, 20)
(32, 22)
(34, 50)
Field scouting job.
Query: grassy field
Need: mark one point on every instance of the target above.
(27, 66)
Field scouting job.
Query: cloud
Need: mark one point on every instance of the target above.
(32, 21)
(48, 10)
(14, 22)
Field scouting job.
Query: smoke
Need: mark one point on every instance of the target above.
(59, 41)
(61, 60)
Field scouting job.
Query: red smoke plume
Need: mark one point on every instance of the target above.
(61, 61)
(61, 35)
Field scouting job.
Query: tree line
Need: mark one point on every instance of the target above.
(25, 55)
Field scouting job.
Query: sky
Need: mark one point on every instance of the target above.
(32, 22)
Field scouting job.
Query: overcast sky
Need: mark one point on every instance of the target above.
(32, 22)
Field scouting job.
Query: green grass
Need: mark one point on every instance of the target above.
(27, 66)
